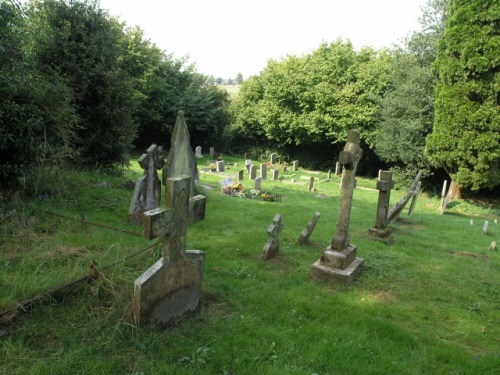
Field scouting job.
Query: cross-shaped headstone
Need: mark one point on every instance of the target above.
(339, 261)
(147, 192)
(306, 233)
(384, 186)
(171, 288)
(272, 245)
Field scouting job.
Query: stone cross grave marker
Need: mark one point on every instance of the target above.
(170, 289)
(198, 152)
(339, 262)
(272, 246)
(147, 192)
(384, 186)
(306, 233)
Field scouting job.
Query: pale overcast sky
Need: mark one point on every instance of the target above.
(225, 37)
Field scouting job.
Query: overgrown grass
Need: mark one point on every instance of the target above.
(427, 304)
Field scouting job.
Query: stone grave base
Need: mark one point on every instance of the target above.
(381, 233)
(342, 266)
(169, 291)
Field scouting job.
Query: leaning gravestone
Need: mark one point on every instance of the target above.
(272, 246)
(306, 233)
(339, 262)
(170, 290)
(181, 159)
(384, 186)
(147, 192)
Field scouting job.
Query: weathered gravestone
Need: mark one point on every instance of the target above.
(276, 174)
(415, 198)
(147, 192)
(273, 159)
(339, 262)
(263, 171)
(252, 173)
(248, 163)
(384, 186)
(181, 159)
(212, 151)
(258, 184)
(337, 169)
(272, 246)
(221, 166)
(306, 233)
(295, 165)
(311, 183)
(170, 289)
(240, 175)
(198, 152)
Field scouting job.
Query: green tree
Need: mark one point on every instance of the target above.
(78, 41)
(36, 118)
(407, 108)
(466, 131)
(239, 79)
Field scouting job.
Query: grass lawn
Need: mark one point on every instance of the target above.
(427, 304)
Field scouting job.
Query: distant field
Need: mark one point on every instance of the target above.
(231, 89)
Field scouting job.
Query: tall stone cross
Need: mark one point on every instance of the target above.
(170, 289)
(339, 261)
(147, 192)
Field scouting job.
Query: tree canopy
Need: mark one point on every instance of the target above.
(466, 133)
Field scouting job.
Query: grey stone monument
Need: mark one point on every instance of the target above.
(221, 166)
(339, 262)
(198, 152)
(276, 174)
(181, 159)
(295, 165)
(384, 186)
(337, 169)
(263, 171)
(169, 290)
(306, 233)
(240, 175)
(258, 183)
(147, 192)
(272, 246)
(311, 183)
(252, 173)
(248, 163)
(212, 151)
(273, 159)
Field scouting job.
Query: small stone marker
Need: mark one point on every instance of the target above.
(170, 289)
(311, 183)
(240, 175)
(258, 184)
(252, 174)
(295, 165)
(329, 174)
(339, 262)
(485, 227)
(493, 246)
(337, 169)
(263, 171)
(384, 186)
(272, 246)
(306, 233)
(147, 192)
(212, 151)
(276, 174)
(221, 166)
(198, 152)
(471, 222)
(273, 159)
(248, 163)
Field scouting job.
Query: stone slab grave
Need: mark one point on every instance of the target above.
(306, 233)
(170, 289)
(272, 246)
(339, 261)
(147, 191)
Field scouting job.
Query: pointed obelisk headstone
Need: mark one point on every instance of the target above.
(339, 262)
